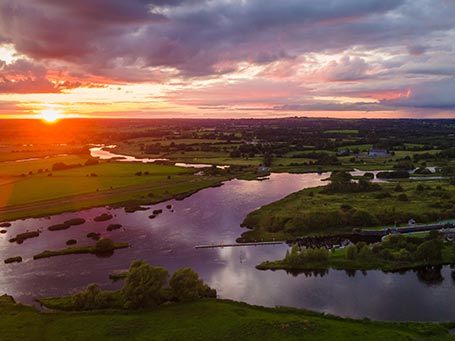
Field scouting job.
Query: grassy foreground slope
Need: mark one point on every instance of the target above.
(208, 319)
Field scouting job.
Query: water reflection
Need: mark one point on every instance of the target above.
(430, 275)
(214, 216)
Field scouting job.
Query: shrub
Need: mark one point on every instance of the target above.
(23, 236)
(143, 285)
(403, 197)
(75, 221)
(103, 217)
(71, 242)
(398, 188)
(92, 298)
(430, 250)
(16, 259)
(93, 235)
(363, 218)
(112, 227)
(351, 252)
(92, 161)
(58, 227)
(104, 246)
(393, 175)
(185, 284)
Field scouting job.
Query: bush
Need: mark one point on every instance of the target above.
(320, 255)
(103, 217)
(143, 285)
(185, 284)
(92, 298)
(23, 236)
(9, 260)
(75, 221)
(430, 250)
(351, 252)
(93, 235)
(104, 246)
(363, 218)
(393, 175)
(91, 162)
(112, 227)
(403, 197)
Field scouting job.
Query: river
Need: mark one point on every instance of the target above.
(213, 215)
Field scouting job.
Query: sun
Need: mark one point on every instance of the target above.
(50, 115)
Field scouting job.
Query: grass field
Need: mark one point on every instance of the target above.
(313, 212)
(342, 131)
(77, 188)
(207, 319)
(77, 180)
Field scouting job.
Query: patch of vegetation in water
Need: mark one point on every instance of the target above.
(113, 227)
(66, 224)
(17, 259)
(103, 247)
(94, 235)
(75, 221)
(134, 208)
(103, 217)
(21, 237)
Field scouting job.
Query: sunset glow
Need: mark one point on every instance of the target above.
(50, 115)
(150, 59)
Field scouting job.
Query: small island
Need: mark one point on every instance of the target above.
(345, 204)
(396, 253)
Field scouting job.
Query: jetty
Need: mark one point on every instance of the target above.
(211, 246)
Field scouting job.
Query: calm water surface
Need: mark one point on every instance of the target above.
(213, 215)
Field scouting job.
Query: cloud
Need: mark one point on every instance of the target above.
(26, 77)
(346, 69)
(428, 95)
(236, 52)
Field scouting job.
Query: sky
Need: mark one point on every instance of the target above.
(227, 58)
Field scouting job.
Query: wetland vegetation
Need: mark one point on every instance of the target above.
(57, 173)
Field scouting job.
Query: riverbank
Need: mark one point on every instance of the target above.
(35, 190)
(207, 319)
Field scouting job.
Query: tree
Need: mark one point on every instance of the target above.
(92, 298)
(187, 286)
(143, 285)
(429, 251)
(351, 252)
